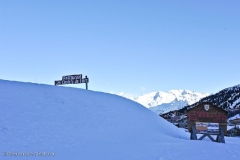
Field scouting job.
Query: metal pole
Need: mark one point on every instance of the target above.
(86, 81)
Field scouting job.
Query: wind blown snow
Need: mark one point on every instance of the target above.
(73, 123)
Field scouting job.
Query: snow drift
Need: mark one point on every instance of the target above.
(79, 124)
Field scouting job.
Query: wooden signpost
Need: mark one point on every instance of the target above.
(72, 79)
(207, 119)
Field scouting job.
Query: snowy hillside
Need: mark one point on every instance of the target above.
(52, 122)
(162, 102)
(228, 99)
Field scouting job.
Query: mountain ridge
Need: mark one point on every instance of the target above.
(162, 102)
(228, 99)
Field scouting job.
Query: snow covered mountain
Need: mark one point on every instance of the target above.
(228, 99)
(162, 102)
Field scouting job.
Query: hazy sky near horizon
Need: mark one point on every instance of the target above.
(133, 46)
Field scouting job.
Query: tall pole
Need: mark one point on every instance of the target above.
(86, 81)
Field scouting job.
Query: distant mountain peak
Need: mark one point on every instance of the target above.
(160, 101)
(228, 98)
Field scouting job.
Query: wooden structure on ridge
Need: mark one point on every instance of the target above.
(207, 119)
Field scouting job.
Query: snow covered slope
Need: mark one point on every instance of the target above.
(69, 123)
(162, 102)
(228, 99)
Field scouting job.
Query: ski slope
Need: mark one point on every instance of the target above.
(52, 122)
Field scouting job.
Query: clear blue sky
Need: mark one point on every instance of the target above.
(123, 46)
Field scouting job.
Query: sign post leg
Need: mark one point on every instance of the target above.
(193, 133)
(220, 136)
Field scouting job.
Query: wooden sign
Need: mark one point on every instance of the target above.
(76, 81)
(206, 127)
(72, 77)
(62, 82)
(208, 114)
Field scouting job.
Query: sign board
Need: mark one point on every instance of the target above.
(72, 77)
(207, 127)
(76, 81)
(62, 82)
(208, 113)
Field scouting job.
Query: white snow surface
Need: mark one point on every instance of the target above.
(163, 102)
(81, 124)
